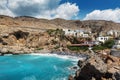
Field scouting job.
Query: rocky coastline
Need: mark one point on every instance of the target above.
(93, 66)
(98, 67)
(63, 53)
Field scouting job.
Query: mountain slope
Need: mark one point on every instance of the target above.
(25, 21)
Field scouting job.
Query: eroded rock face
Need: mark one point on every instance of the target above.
(25, 41)
(20, 34)
(97, 68)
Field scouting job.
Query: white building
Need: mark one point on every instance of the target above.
(102, 38)
(114, 33)
(77, 33)
(69, 32)
(85, 35)
(117, 44)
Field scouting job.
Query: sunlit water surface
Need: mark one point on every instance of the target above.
(36, 67)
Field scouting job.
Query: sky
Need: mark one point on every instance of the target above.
(66, 9)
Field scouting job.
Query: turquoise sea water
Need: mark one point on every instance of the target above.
(35, 67)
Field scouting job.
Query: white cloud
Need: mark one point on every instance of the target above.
(65, 11)
(108, 14)
(4, 10)
(38, 8)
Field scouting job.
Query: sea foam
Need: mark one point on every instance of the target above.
(69, 57)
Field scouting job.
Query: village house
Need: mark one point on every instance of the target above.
(85, 35)
(69, 32)
(117, 44)
(77, 33)
(114, 33)
(102, 38)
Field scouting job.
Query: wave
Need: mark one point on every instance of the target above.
(64, 78)
(69, 57)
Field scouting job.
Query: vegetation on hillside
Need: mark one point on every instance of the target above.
(57, 33)
(74, 48)
(107, 45)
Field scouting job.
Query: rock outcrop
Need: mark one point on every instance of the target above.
(99, 68)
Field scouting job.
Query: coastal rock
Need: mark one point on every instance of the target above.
(4, 50)
(96, 68)
(70, 77)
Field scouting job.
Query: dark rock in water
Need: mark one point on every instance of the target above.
(80, 63)
(75, 67)
(16, 53)
(115, 53)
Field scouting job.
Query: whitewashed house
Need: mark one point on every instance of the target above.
(102, 38)
(117, 44)
(77, 33)
(69, 32)
(114, 33)
(80, 33)
(85, 35)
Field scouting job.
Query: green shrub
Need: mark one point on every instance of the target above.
(50, 31)
(57, 33)
(39, 49)
(109, 43)
(99, 47)
(56, 47)
(75, 48)
(54, 41)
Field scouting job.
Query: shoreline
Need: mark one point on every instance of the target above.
(49, 53)
(43, 51)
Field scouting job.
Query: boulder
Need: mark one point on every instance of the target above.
(4, 50)
(115, 53)
(95, 68)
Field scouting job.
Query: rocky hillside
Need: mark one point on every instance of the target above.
(30, 22)
(28, 34)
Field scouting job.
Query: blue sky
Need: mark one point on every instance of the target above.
(87, 6)
(66, 9)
